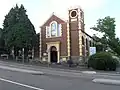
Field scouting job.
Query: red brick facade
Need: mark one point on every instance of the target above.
(76, 32)
(62, 39)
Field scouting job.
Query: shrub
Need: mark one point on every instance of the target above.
(102, 61)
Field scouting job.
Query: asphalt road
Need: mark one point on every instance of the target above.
(10, 80)
(57, 72)
(10, 86)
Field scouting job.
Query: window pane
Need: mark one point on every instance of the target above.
(59, 30)
(53, 29)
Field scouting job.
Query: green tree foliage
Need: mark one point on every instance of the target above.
(100, 46)
(114, 44)
(103, 61)
(37, 45)
(106, 26)
(18, 31)
(1, 39)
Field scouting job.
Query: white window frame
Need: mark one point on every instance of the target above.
(59, 29)
(51, 27)
(48, 30)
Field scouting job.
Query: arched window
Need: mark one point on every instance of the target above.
(53, 27)
(86, 44)
(83, 48)
(82, 40)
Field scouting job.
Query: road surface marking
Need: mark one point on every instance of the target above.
(106, 81)
(20, 84)
(89, 72)
(21, 70)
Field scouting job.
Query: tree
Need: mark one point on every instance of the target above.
(114, 44)
(106, 26)
(99, 46)
(1, 39)
(18, 31)
(37, 45)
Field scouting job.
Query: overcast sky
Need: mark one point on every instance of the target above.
(40, 10)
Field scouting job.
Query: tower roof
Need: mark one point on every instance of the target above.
(75, 7)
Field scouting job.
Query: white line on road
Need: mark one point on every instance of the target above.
(20, 84)
(107, 81)
(21, 70)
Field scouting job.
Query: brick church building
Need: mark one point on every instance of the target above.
(63, 40)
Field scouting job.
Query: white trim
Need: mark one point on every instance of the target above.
(79, 25)
(57, 45)
(76, 13)
(79, 14)
(59, 30)
(56, 27)
(74, 7)
(47, 20)
(51, 16)
(68, 39)
(48, 32)
(52, 22)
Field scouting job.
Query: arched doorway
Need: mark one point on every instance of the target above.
(53, 54)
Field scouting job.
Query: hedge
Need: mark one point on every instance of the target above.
(102, 61)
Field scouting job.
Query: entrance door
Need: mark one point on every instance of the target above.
(53, 54)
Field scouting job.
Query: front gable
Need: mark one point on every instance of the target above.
(53, 27)
(53, 18)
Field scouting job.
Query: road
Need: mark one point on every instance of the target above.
(56, 72)
(12, 80)
(25, 81)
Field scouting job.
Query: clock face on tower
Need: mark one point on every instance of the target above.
(73, 13)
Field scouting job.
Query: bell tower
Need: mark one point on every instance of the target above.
(76, 25)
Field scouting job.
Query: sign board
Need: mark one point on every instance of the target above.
(92, 50)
